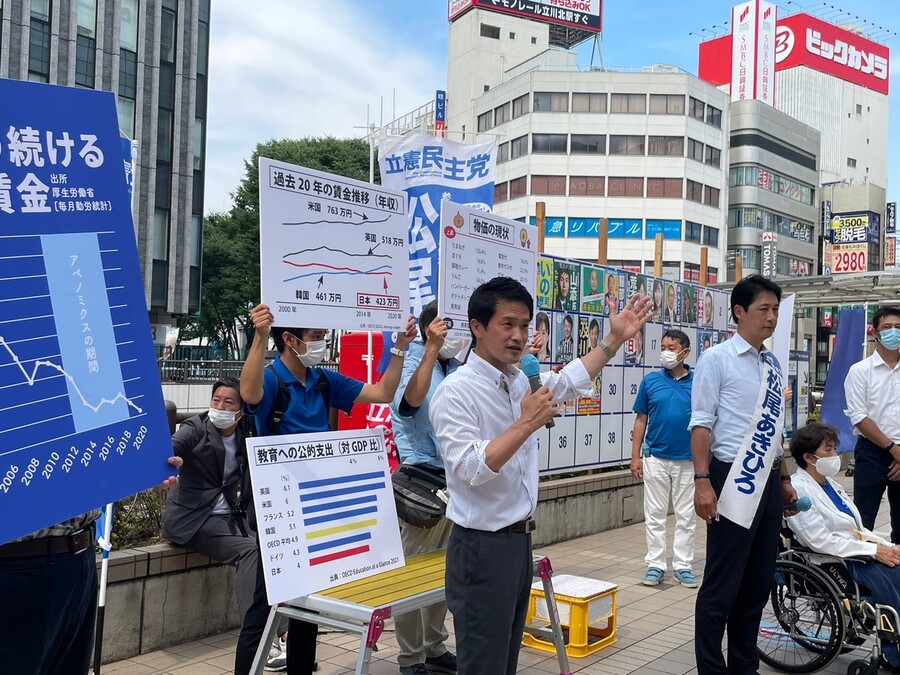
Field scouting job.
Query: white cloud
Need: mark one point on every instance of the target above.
(288, 70)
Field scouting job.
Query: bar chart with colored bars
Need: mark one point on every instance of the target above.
(339, 515)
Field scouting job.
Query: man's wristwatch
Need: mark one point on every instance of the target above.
(701, 476)
(398, 352)
(889, 446)
(609, 351)
(785, 478)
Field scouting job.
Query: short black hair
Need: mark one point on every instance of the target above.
(568, 319)
(594, 324)
(749, 288)
(809, 439)
(542, 319)
(887, 310)
(277, 334)
(485, 298)
(679, 335)
(426, 316)
(228, 381)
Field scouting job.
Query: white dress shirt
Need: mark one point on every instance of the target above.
(472, 407)
(872, 389)
(726, 387)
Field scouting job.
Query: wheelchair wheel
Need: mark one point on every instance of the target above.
(802, 626)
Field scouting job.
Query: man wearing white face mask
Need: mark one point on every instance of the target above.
(205, 512)
(421, 634)
(661, 457)
(873, 406)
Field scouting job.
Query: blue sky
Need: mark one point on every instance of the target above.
(288, 70)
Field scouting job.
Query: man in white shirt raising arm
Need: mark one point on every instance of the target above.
(485, 417)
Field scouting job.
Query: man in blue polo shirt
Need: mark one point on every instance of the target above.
(299, 351)
(661, 457)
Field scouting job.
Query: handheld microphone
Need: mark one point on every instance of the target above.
(802, 504)
(532, 369)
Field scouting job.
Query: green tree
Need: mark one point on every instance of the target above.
(230, 283)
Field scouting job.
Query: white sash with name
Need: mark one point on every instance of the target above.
(749, 473)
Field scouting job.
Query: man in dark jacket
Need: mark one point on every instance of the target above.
(204, 512)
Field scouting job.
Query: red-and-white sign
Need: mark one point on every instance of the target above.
(584, 14)
(804, 40)
(743, 51)
(850, 258)
(765, 52)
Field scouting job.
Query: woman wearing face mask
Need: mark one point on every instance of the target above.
(833, 526)
(204, 512)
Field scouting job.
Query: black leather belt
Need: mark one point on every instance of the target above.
(522, 527)
(67, 544)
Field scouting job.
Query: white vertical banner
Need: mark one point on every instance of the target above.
(764, 84)
(743, 50)
(781, 338)
(432, 170)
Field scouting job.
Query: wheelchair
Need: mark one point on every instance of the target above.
(816, 612)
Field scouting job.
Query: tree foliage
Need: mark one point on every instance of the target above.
(230, 283)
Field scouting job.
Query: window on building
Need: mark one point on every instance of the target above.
(713, 156)
(712, 275)
(533, 40)
(198, 145)
(714, 117)
(549, 143)
(666, 104)
(711, 196)
(517, 187)
(520, 106)
(167, 36)
(501, 192)
(125, 114)
(501, 114)
(665, 146)
(696, 109)
(851, 162)
(665, 188)
(626, 145)
(503, 153)
(628, 103)
(588, 103)
(710, 236)
(85, 53)
(695, 150)
(128, 24)
(692, 272)
(39, 42)
(586, 186)
(548, 185)
(489, 31)
(547, 101)
(859, 109)
(694, 191)
(692, 232)
(485, 121)
(588, 144)
(518, 147)
(626, 187)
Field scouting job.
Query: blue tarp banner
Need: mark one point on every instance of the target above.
(848, 349)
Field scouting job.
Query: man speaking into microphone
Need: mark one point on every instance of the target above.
(485, 416)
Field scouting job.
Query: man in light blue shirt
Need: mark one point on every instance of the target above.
(421, 634)
(736, 420)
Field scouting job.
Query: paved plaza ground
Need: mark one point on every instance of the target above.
(655, 624)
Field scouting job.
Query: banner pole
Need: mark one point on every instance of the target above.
(105, 545)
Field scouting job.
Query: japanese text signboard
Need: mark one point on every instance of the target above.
(475, 248)
(584, 14)
(332, 250)
(82, 420)
(325, 510)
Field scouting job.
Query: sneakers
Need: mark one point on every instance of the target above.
(415, 669)
(653, 576)
(686, 578)
(445, 663)
(277, 660)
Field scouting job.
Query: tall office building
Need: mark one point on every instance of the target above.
(153, 55)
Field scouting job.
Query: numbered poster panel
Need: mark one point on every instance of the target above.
(477, 247)
(611, 394)
(612, 443)
(562, 442)
(325, 510)
(333, 250)
(630, 386)
(587, 447)
(82, 420)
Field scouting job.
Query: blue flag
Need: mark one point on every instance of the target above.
(848, 349)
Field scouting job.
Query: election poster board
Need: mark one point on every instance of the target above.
(332, 249)
(574, 301)
(325, 510)
(431, 170)
(476, 247)
(82, 420)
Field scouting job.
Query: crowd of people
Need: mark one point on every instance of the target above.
(707, 438)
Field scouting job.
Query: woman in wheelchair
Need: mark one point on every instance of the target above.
(832, 526)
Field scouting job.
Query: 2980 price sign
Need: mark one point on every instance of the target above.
(851, 259)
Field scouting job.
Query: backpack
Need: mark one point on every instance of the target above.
(283, 400)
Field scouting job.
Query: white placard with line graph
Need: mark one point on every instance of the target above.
(333, 251)
(325, 510)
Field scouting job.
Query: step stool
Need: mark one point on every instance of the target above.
(587, 612)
